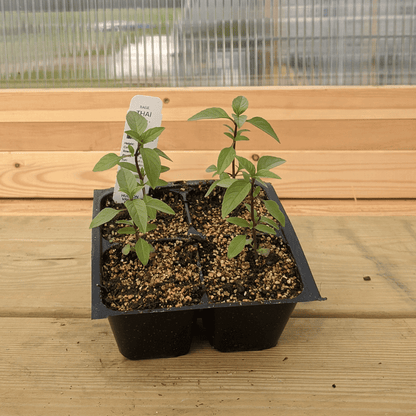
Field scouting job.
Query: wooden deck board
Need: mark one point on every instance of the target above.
(46, 265)
(320, 366)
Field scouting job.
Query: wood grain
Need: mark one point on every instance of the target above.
(305, 118)
(298, 207)
(46, 266)
(383, 134)
(307, 174)
(368, 97)
(321, 366)
(354, 354)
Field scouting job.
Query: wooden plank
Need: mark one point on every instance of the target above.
(341, 251)
(384, 134)
(365, 208)
(321, 366)
(57, 207)
(307, 174)
(310, 118)
(387, 97)
(46, 266)
(182, 114)
(309, 207)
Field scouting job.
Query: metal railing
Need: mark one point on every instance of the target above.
(116, 43)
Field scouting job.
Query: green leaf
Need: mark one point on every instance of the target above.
(264, 125)
(107, 162)
(164, 169)
(126, 222)
(151, 213)
(210, 113)
(246, 176)
(265, 229)
(136, 122)
(131, 149)
(138, 212)
(241, 222)
(224, 175)
(127, 230)
(236, 246)
(143, 250)
(229, 128)
(151, 134)
(105, 215)
(126, 249)
(241, 138)
(159, 205)
(211, 168)
(211, 188)
(256, 192)
(129, 166)
(225, 158)
(269, 162)
(260, 181)
(226, 182)
(161, 182)
(266, 174)
(247, 165)
(152, 165)
(234, 195)
(151, 227)
(162, 154)
(239, 120)
(133, 134)
(127, 182)
(240, 104)
(270, 222)
(274, 210)
(230, 135)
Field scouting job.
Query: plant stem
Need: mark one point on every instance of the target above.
(253, 219)
(234, 145)
(136, 161)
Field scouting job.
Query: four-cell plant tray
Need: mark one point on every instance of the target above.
(231, 326)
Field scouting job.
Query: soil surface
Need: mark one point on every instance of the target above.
(172, 278)
(247, 277)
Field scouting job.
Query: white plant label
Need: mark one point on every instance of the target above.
(151, 109)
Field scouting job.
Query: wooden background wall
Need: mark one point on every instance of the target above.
(338, 142)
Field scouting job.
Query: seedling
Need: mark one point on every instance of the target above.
(242, 181)
(132, 179)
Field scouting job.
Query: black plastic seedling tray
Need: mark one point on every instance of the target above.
(233, 326)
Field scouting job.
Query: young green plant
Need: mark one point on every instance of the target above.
(132, 179)
(248, 176)
(235, 132)
(247, 186)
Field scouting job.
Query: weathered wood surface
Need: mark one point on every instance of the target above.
(51, 255)
(354, 354)
(346, 367)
